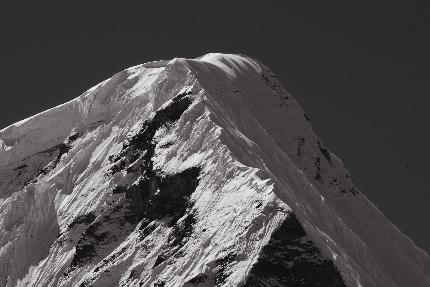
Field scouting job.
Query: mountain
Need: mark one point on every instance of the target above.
(189, 172)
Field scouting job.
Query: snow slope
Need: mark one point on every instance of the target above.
(189, 172)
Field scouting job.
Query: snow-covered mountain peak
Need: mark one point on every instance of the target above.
(230, 64)
(188, 172)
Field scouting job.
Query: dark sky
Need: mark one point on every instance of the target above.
(361, 72)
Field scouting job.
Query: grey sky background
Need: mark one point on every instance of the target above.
(360, 71)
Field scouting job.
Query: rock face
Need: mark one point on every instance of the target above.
(201, 172)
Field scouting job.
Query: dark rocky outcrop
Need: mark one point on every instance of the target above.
(290, 259)
(152, 199)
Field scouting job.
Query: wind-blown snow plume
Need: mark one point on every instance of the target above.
(201, 172)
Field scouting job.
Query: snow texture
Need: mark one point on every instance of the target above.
(189, 172)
